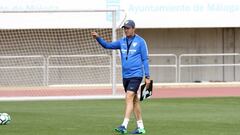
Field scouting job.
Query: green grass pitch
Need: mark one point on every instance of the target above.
(189, 116)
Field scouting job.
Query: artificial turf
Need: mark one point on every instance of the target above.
(183, 116)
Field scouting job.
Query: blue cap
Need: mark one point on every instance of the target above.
(129, 24)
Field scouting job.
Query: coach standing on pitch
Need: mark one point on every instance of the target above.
(134, 57)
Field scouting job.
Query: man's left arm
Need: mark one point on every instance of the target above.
(145, 59)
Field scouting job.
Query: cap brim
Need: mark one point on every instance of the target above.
(126, 26)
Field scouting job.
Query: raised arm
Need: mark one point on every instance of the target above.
(103, 43)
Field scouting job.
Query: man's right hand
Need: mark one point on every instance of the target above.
(147, 81)
(95, 34)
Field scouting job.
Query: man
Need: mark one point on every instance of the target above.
(134, 57)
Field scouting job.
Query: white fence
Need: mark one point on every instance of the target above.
(173, 65)
(23, 70)
(84, 63)
(64, 65)
(155, 62)
(18, 66)
(204, 65)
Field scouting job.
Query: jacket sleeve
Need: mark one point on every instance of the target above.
(145, 59)
(108, 45)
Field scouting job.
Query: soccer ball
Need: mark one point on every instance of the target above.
(4, 118)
